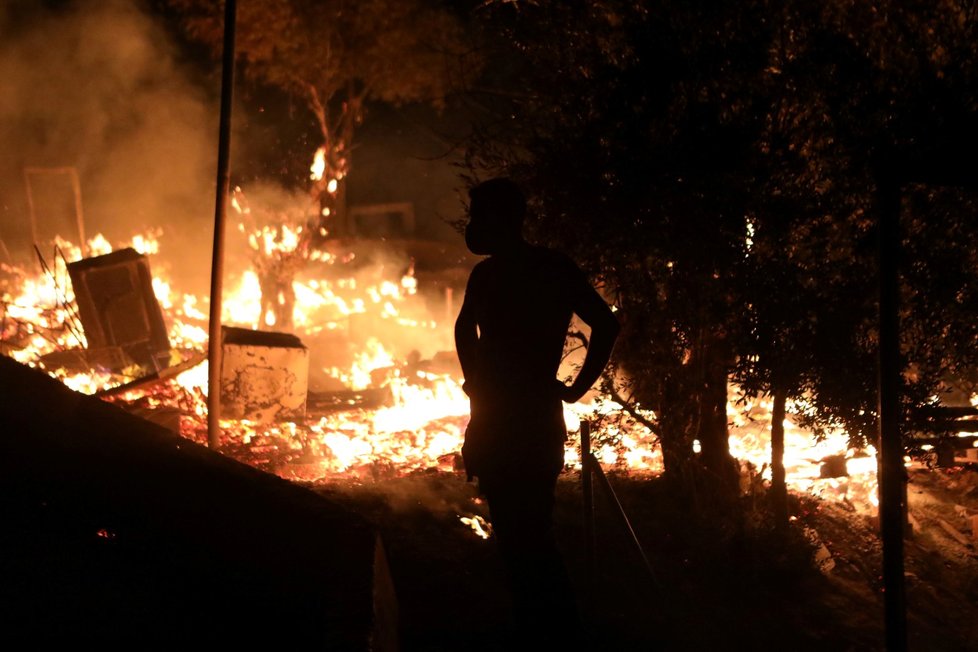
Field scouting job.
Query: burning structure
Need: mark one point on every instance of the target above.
(383, 395)
(117, 307)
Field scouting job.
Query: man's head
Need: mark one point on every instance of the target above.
(496, 210)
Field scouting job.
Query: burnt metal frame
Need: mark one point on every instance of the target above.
(72, 174)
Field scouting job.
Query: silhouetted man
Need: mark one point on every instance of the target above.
(510, 336)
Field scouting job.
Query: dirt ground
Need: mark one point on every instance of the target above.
(115, 530)
(719, 584)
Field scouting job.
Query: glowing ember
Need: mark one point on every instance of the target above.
(478, 525)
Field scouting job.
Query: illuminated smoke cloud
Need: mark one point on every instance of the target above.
(99, 86)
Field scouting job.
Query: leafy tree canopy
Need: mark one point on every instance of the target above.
(338, 54)
(715, 168)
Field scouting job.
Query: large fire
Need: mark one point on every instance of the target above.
(420, 412)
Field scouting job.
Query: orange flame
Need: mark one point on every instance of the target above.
(318, 168)
(421, 426)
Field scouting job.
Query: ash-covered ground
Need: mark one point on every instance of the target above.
(723, 582)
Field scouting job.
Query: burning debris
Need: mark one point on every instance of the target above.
(367, 386)
(479, 525)
(117, 306)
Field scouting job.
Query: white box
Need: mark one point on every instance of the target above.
(264, 375)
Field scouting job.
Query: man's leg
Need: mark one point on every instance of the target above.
(521, 509)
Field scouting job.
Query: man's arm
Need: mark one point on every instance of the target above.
(467, 334)
(594, 312)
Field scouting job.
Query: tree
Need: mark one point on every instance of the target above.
(337, 56)
(633, 143)
(854, 83)
(715, 170)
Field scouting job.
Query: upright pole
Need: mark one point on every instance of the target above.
(79, 214)
(588, 490)
(892, 475)
(72, 173)
(30, 205)
(779, 488)
(220, 216)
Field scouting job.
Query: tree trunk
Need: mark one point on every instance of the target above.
(779, 489)
(671, 404)
(277, 299)
(329, 189)
(721, 467)
(341, 219)
(677, 449)
(664, 389)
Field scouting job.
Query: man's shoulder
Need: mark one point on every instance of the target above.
(481, 268)
(557, 262)
(481, 275)
(533, 260)
(552, 257)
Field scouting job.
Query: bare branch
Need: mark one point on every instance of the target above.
(609, 387)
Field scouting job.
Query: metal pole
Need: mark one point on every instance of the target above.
(30, 204)
(588, 490)
(892, 475)
(79, 215)
(72, 173)
(220, 216)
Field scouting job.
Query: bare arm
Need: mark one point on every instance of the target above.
(466, 340)
(467, 335)
(594, 312)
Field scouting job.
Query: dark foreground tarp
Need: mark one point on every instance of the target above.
(115, 531)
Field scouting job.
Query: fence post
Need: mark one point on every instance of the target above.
(588, 490)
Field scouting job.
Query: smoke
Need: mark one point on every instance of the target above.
(439, 495)
(103, 89)
(410, 154)
(99, 87)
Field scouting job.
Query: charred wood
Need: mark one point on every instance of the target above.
(366, 399)
(154, 378)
